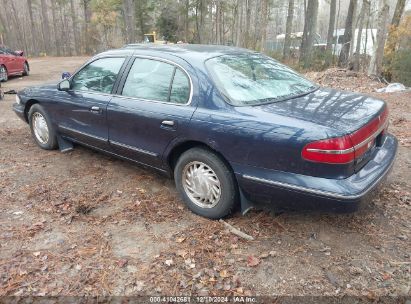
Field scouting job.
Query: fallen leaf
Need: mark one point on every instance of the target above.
(180, 240)
(224, 274)
(168, 262)
(121, 263)
(252, 261)
(182, 253)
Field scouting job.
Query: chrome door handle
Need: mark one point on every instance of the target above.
(168, 123)
(95, 109)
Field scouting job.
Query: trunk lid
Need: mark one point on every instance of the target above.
(343, 111)
(362, 119)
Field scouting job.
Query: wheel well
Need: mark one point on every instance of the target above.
(29, 103)
(28, 65)
(183, 147)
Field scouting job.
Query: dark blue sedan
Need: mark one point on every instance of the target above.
(231, 125)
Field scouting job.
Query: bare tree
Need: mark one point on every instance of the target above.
(331, 25)
(129, 20)
(75, 31)
(87, 17)
(264, 21)
(348, 33)
(364, 9)
(310, 31)
(288, 29)
(34, 48)
(375, 66)
(46, 25)
(55, 28)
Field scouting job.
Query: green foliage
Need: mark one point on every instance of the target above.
(401, 67)
(167, 22)
(105, 12)
(397, 55)
(144, 15)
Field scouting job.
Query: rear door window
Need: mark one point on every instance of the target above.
(180, 89)
(156, 80)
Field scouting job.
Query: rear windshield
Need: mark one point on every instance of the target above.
(253, 79)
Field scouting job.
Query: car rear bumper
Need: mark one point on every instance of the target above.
(19, 110)
(295, 191)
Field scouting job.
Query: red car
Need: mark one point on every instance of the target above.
(12, 63)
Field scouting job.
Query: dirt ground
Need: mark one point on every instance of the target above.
(82, 223)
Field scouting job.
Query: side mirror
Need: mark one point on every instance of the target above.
(19, 53)
(65, 75)
(64, 85)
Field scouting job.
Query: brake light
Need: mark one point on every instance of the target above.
(338, 150)
(345, 149)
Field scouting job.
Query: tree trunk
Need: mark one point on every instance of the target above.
(347, 38)
(247, 23)
(364, 8)
(75, 28)
(310, 26)
(375, 67)
(46, 26)
(331, 25)
(239, 28)
(288, 29)
(34, 48)
(264, 22)
(17, 24)
(130, 20)
(186, 19)
(55, 28)
(7, 35)
(337, 22)
(87, 17)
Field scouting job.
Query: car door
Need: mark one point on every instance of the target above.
(82, 111)
(152, 109)
(7, 60)
(14, 62)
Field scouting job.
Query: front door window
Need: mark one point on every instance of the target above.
(98, 76)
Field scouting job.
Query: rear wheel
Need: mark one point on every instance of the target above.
(206, 184)
(3, 73)
(41, 128)
(26, 70)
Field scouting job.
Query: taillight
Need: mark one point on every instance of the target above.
(345, 149)
(338, 150)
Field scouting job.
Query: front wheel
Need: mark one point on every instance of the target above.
(206, 184)
(26, 69)
(41, 127)
(3, 73)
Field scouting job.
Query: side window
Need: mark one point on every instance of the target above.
(180, 90)
(149, 79)
(98, 76)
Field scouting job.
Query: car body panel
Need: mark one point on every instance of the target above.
(13, 63)
(263, 142)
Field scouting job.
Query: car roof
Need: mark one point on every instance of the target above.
(184, 51)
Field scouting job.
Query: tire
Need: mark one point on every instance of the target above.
(3, 74)
(199, 161)
(26, 71)
(40, 125)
